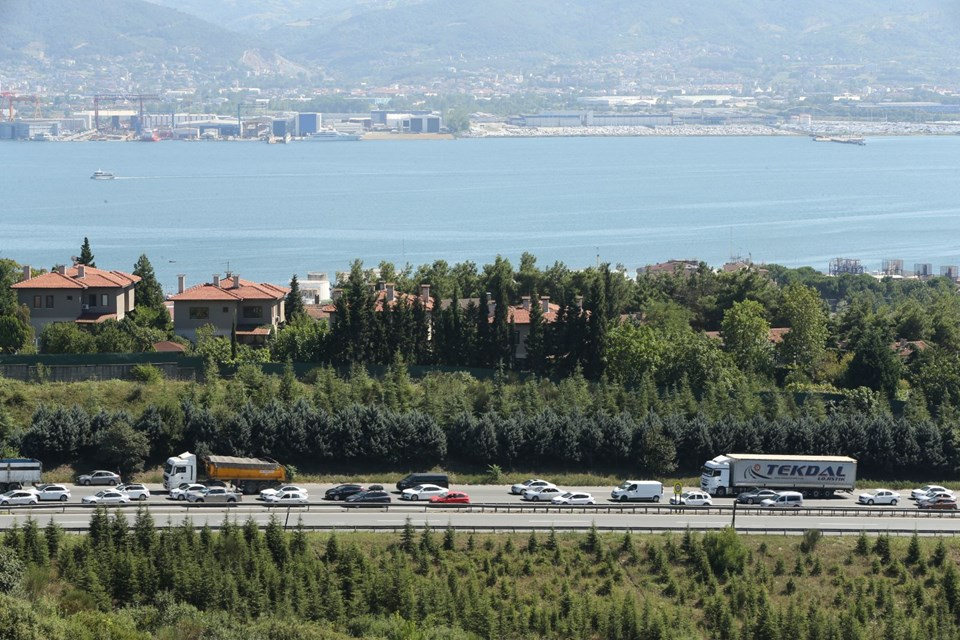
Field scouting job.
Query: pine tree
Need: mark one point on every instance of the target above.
(148, 292)
(293, 306)
(86, 255)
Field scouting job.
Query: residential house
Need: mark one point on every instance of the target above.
(518, 316)
(253, 308)
(386, 297)
(81, 294)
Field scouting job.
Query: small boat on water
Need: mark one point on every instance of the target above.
(331, 135)
(841, 139)
(102, 175)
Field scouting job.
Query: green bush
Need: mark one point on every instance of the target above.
(146, 373)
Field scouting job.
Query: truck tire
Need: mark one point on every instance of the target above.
(721, 491)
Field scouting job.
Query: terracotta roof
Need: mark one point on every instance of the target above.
(519, 315)
(95, 318)
(205, 292)
(253, 329)
(226, 291)
(317, 312)
(381, 300)
(70, 279)
(168, 346)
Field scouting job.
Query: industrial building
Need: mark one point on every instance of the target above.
(591, 119)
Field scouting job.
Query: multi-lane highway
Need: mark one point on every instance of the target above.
(495, 509)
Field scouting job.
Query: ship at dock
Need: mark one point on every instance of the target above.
(841, 139)
(331, 135)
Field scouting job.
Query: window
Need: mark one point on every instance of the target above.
(253, 312)
(92, 300)
(199, 313)
(104, 300)
(69, 297)
(49, 302)
(37, 302)
(226, 309)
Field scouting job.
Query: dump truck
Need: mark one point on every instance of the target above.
(16, 473)
(813, 476)
(250, 475)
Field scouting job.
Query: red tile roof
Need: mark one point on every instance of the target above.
(168, 346)
(381, 300)
(226, 291)
(70, 279)
(95, 318)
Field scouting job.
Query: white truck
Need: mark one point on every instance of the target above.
(16, 473)
(252, 475)
(813, 476)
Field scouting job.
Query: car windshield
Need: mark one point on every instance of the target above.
(567, 495)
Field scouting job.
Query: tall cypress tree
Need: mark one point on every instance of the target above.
(86, 255)
(148, 291)
(293, 305)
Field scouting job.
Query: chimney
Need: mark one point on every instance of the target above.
(316, 299)
(216, 279)
(381, 285)
(336, 294)
(545, 304)
(181, 282)
(424, 293)
(236, 281)
(526, 303)
(389, 288)
(62, 270)
(81, 271)
(491, 306)
(26, 272)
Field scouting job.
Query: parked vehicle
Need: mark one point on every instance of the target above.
(53, 492)
(638, 491)
(367, 496)
(343, 491)
(251, 475)
(413, 479)
(784, 500)
(879, 496)
(110, 496)
(135, 491)
(423, 492)
(940, 503)
(17, 473)
(288, 497)
(214, 494)
(532, 483)
(454, 497)
(18, 496)
(692, 499)
(542, 494)
(916, 493)
(267, 494)
(99, 477)
(755, 495)
(574, 497)
(180, 493)
(813, 476)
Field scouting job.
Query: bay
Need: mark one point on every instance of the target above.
(269, 211)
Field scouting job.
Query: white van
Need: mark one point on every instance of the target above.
(784, 500)
(639, 491)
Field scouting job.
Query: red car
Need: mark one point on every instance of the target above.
(940, 503)
(454, 497)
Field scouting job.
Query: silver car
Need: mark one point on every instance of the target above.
(214, 494)
(99, 477)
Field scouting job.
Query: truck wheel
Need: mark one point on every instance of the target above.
(721, 491)
(623, 498)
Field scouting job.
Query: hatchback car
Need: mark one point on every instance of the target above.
(367, 497)
(343, 491)
(135, 491)
(756, 495)
(542, 494)
(574, 497)
(879, 496)
(692, 499)
(532, 483)
(266, 494)
(53, 492)
(454, 497)
(18, 496)
(106, 497)
(99, 477)
(180, 493)
(423, 492)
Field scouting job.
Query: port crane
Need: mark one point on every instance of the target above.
(114, 97)
(11, 97)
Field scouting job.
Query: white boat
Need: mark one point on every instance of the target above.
(331, 135)
(102, 175)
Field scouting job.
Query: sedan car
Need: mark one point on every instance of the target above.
(107, 497)
(289, 497)
(423, 492)
(266, 494)
(135, 491)
(454, 497)
(927, 488)
(532, 483)
(343, 491)
(935, 496)
(542, 494)
(692, 499)
(99, 477)
(213, 494)
(756, 495)
(180, 493)
(940, 503)
(367, 497)
(571, 497)
(19, 496)
(879, 496)
(53, 492)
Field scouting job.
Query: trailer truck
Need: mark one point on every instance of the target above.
(16, 473)
(251, 475)
(813, 476)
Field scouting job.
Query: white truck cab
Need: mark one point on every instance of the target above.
(180, 469)
(715, 476)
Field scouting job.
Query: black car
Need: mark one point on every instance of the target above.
(342, 491)
(756, 495)
(369, 497)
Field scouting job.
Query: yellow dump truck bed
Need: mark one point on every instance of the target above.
(231, 468)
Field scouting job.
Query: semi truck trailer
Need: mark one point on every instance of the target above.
(813, 476)
(16, 473)
(251, 475)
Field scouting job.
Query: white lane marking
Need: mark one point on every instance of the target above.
(390, 521)
(557, 521)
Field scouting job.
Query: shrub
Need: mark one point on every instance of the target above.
(146, 373)
(810, 539)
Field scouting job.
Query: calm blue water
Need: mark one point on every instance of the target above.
(274, 210)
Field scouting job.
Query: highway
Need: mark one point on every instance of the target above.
(495, 509)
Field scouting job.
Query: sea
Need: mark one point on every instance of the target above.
(268, 211)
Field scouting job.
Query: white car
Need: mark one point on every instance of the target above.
(267, 494)
(180, 493)
(571, 497)
(542, 494)
(935, 496)
(110, 496)
(423, 492)
(532, 483)
(53, 492)
(135, 491)
(288, 497)
(879, 496)
(916, 493)
(693, 499)
(19, 496)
